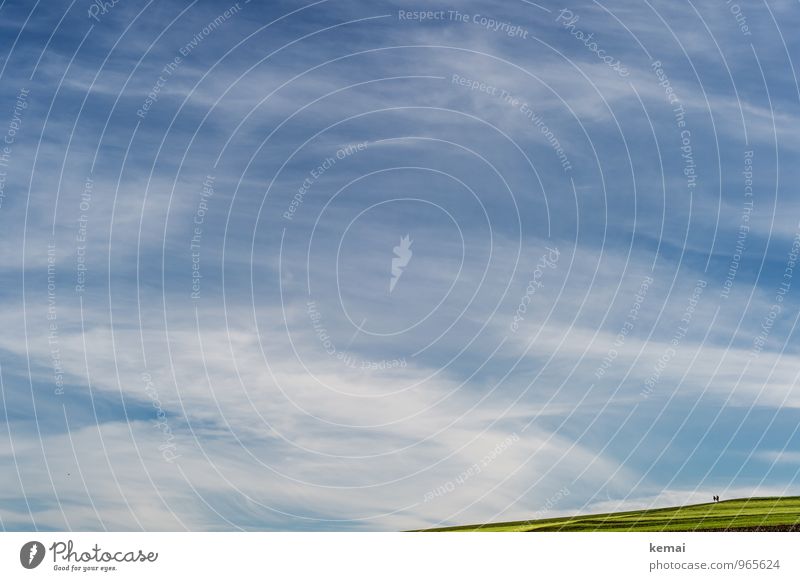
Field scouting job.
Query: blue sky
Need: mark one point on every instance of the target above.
(202, 211)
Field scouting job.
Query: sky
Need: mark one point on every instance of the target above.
(354, 266)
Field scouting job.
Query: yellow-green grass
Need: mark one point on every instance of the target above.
(770, 513)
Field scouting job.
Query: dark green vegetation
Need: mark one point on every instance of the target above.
(742, 514)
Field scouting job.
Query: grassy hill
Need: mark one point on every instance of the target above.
(742, 514)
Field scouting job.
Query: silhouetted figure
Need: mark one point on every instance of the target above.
(716, 498)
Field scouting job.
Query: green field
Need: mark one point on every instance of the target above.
(742, 514)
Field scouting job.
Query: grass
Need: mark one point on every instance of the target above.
(770, 513)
